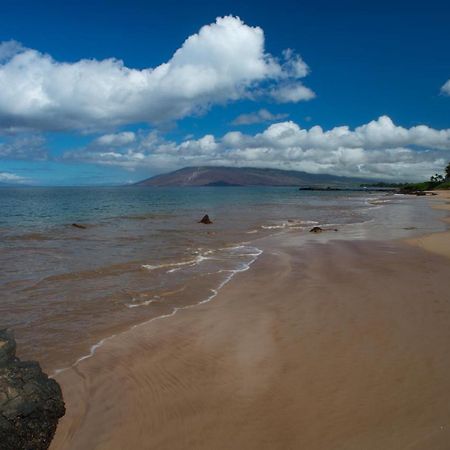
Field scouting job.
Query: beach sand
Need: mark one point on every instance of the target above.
(341, 345)
(438, 243)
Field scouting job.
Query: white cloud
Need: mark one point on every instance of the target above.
(293, 65)
(445, 89)
(263, 115)
(224, 61)
(31, 147)
(378, 149)
(116, 139)
(292, 92)
(11, 178)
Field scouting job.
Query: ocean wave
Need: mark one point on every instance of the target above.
(214, 292)
(204, 255)
(144, 303)
(244, 251)
(379, 201)
(273, 227)
(191, 262)
(155, 298)
(290, 223)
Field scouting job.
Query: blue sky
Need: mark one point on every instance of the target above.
(378, 69)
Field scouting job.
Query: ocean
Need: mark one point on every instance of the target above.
(143, 254)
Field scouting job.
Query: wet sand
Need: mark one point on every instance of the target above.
(438, 243)
(341, 345)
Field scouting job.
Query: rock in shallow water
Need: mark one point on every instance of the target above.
(30, 402)
(319, 230)
(205, 220)
(81, 227)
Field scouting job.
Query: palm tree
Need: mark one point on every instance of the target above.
(447, 172)
(437, 178)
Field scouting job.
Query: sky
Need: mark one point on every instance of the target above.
(111, 92)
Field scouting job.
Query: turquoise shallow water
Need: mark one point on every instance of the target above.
(143, 253)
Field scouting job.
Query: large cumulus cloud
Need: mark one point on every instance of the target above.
(378, 149)
(224, 61)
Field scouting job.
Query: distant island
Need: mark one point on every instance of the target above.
(246, 176)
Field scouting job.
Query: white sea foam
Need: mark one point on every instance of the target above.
(292, 223)
(91, 353)
(177, 265)
(306, 222)
(144, 303)
(274, 227)
(242, 268)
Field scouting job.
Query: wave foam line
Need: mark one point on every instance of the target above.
(145, 303)
(289, 224)
(99, 344)
(194, 261)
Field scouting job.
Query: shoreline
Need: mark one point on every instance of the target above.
(214, 293)
(347, 232)
(438, 243)
(110, 296)
(268, 355)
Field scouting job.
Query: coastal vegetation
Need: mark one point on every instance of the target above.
(436, 181)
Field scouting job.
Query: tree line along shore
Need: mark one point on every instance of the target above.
(436, 181)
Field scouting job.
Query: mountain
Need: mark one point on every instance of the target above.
(245, 176)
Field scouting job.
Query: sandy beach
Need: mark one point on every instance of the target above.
(335, 344)
(438, 243)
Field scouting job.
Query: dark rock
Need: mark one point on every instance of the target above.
(408, 191)
(319, 230)
(7, 347)
(30, 402)
(77, 225)
(205, 219)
